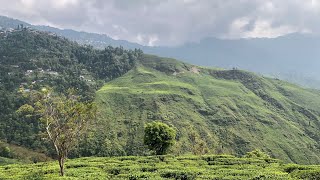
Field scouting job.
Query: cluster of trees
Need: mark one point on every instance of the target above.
(65, 119)
(33, 59)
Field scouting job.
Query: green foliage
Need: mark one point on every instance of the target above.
(257, 154)
(6, 161)
(159, 137)
(150, 167)
(65, 118)
(31, 59)
(5, 152)
(213, 110)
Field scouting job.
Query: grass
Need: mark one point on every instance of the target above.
(22, 154)
(187, 167)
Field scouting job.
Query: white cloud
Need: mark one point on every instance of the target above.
(172, 22)
(264, 28)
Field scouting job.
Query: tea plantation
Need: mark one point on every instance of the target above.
(164, 167)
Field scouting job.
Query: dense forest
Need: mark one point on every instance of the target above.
(31, 59)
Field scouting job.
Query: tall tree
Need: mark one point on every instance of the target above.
(64, 117)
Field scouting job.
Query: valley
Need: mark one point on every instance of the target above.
(214, 111)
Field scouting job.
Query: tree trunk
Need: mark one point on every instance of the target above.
(61, 164)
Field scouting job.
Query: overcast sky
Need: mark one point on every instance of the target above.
(171, 22)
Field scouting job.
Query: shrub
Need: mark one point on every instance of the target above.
(159, 137)
(257, 154)
(179, 175)
(306, 174)
(289, 168)
(5, 152)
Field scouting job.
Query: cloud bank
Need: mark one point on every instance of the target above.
(171, 22)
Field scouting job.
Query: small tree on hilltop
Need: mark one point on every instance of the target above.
(159, 137)
(64, 117)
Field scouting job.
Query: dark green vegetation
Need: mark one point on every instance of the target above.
(213, 110)
(159, 137)
(164, 167)
(32, 59)
(65, 119)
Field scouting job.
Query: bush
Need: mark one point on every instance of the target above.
(159, 137)
(5, 152)
(179, 175)
(257, 154)
(289, 168)
(306, 174)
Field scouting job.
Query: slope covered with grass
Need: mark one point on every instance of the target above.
(163, 167)
(19, 154)
(213, 110)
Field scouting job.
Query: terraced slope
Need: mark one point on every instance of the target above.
(164, 167)
(216, 111)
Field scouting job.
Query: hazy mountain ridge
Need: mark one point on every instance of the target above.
(97, 40)
(294, 57)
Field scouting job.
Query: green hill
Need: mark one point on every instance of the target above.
(217, 111)
(164, 167)
(213, 110)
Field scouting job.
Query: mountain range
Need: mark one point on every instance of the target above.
(294, 57)
(213, 110)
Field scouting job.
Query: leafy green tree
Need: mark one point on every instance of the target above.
(256, 154)
(159, 137)
(64, 117)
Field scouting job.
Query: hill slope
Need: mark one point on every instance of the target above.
(293, 57)
(218, 111)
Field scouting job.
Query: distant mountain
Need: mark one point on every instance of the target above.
(96, 40)
(6, 22)
(294, 57)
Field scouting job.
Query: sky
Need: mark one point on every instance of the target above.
(171, 22)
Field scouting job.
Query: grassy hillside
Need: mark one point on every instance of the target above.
(19, 154)
(164, 167)
(213, 110)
